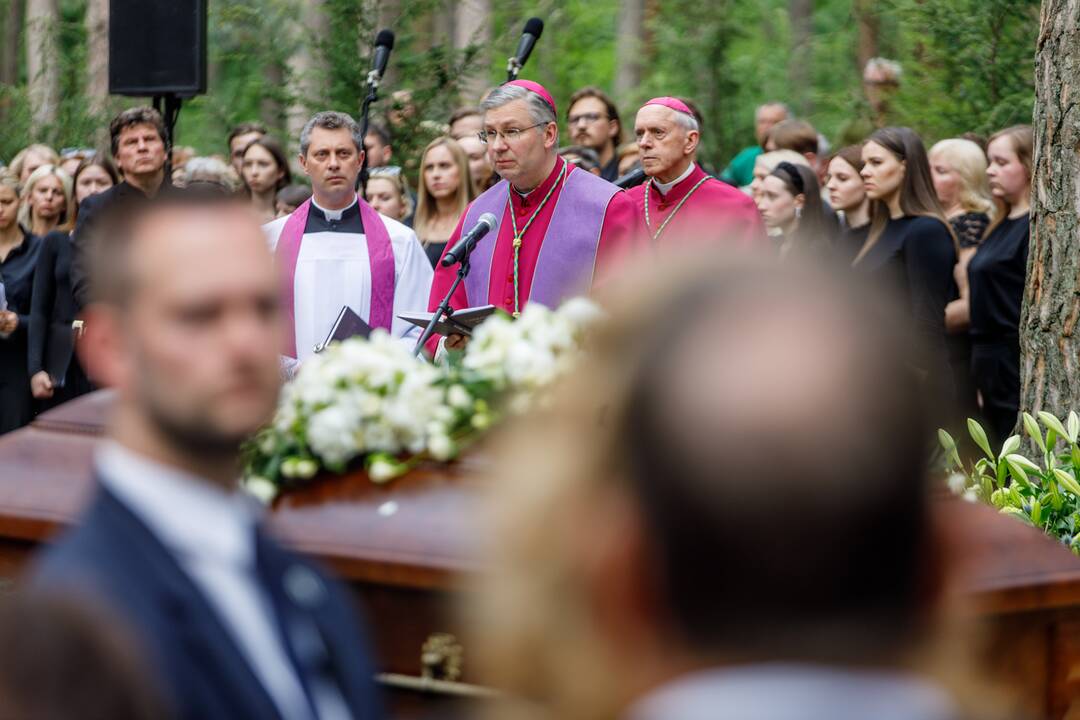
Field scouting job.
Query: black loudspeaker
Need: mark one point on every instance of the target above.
(157, 47)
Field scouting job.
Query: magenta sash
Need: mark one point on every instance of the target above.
(380, 255)
(567, 257)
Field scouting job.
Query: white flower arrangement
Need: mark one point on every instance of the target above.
(372, 400)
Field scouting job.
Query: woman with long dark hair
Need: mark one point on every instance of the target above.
(790, 204)
(848, 198)
(265, 170)
(910, 244)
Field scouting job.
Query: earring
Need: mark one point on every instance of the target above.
(798, 213)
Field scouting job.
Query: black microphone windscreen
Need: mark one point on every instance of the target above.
(533, 26)
(385, 38)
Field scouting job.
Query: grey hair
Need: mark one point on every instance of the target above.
(688, 123)
(330, 120)
(211, 171)
(539, 110)
(773, 103)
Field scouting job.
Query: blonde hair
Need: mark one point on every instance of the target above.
(396, 178)
(770, 160)
(425, 201)
(969, 162)
(67, 215)
(52, 158)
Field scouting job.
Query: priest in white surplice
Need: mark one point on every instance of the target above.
(335, 250)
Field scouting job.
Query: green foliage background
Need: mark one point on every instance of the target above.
(968, 65)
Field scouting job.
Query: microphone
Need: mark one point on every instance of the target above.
(465, 245)
(631, 179)
(534, 27)
(384, 43)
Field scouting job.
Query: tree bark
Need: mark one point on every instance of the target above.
(1049, 346)
(43, 59)
(9, 53)
(472, 26)
(801, 16)
(629, 49)
(869, 26)
(305, 87)
(97, 57)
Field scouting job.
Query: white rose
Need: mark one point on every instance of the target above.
(441, 447)
(458, 397)
(957, 483)
(382, 470)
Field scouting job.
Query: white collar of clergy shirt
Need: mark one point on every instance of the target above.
(332, 214)
(665, 187)
(168, 500)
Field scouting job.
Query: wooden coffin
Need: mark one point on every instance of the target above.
(406, 548)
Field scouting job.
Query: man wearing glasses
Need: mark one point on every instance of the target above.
(559, 227)
(593, 121)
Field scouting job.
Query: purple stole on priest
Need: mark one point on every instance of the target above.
(568, 253)
(380, 255)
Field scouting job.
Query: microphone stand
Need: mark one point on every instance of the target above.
(365, 110)
(513, 67)
(444, 310)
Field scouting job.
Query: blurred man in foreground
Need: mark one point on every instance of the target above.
(724, 517)
(233, 625)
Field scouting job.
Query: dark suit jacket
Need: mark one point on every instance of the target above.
(203, 674)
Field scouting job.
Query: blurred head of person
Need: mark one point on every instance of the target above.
(583, 157)
(521, 134)
(896, 175)
(958, 170)
(635, 531)
(291, 197)
(137, 137)
(184, 325)
(331, 155)
(66, 658)
(266, 168)
(239, 138)
(47, 201)
(479, 166)
(766, 117)
(378, 144)
(797, 135)
(465, 122)
(766, 162)
(9, 201)
(845, 185)
(30, 158)
(445, 185)
(72, 158)
(1011, 153)
(592, 120)
(667, 140)
(210, 173)
(387, 192)
(629, 155)
(95, 175)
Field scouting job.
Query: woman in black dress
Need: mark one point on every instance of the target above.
(996, 277)
(848, 198)
(910, 245)
(55, 373)
(18, 256)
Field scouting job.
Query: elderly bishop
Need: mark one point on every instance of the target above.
(680, 203)
(560, 228)
(336, 251)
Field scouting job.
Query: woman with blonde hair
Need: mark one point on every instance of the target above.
(388, 192)
(765, 163)
(446, 188)
(47, 201)
(958, 169)
(30, 158)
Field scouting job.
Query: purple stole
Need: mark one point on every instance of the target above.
(380, 254)
(568, 252)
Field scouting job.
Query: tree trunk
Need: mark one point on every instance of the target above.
(97, 57)
(9, 53)
(270, 109)
(472, 26)
(43, 59)
(629, 49)
(305, 88)
(801, 16)
(869, 26)
(1049, 346)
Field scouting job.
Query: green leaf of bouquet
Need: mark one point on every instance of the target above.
(946, 440)
(1017, 471)
(979, 436)
(1032, 427)
(1011, 445)
(1067, 481)
(1036, 512)
(1016, 512)
(1023, 461)
(1073, 425)
(1054, 424)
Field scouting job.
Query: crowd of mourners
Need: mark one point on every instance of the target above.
(949, 225)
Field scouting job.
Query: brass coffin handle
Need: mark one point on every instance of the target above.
(442, 657)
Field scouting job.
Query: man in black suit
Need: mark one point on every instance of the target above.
(137, 136)
(184, 324)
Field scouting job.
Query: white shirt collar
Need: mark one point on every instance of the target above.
(665, 187)
(332, 214)
(769, 691)
(169, 501)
